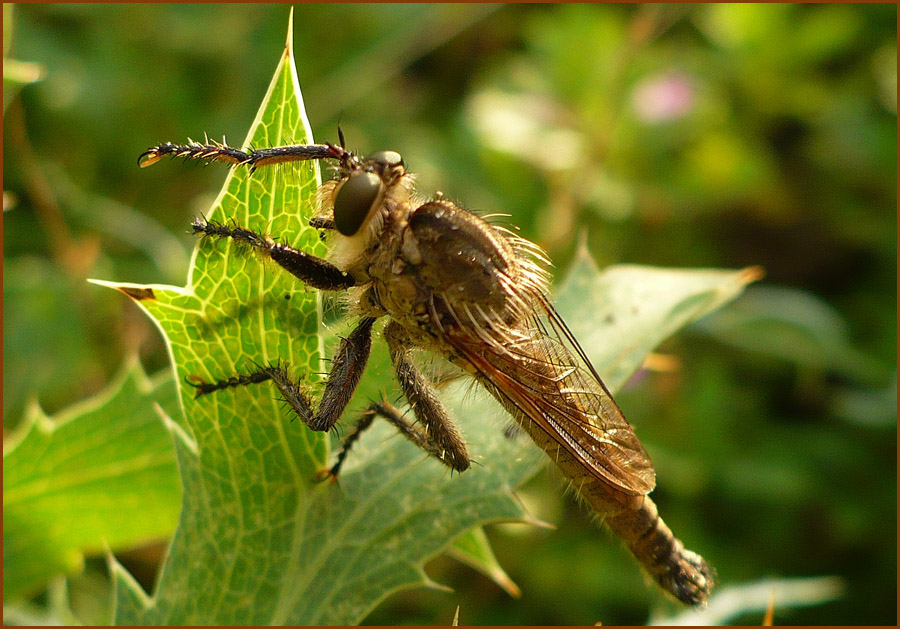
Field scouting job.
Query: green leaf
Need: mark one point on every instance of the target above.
(730, 603)
(19, 73)
(797, 327)
(474, 550)
(16, 74)
(101, 474)
(258, 541)
(55, 610)
(621, 314)
(246, 472)
(7, 28)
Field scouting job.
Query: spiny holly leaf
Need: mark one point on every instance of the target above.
(246, 470)
(258, 541)
(101, 474)
(621, 314)
(474, 549)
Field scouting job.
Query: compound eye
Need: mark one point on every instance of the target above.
(386, 158)
(354, 201)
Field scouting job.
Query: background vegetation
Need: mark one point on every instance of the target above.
(709, 136)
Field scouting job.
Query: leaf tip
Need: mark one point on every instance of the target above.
(130, 598)
(582, 252)
(770, 610)
(178, 433)
(661, 363)
(135, 291)
(751, 274)
(138, 293)
(509, 586)
(288, 46)
(434, 585)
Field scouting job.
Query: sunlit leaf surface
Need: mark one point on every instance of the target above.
(99, 475)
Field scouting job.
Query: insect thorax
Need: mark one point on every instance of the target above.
(437, 269)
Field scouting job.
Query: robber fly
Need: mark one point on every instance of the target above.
(477, 294)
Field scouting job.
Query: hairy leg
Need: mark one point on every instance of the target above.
(347, 367)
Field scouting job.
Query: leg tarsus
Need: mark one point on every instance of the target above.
(456, 457)
(348, 365)
(423, 439)
(251, 158)
(202, 387)
(362, 424)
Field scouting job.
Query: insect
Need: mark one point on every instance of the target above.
(476, 294)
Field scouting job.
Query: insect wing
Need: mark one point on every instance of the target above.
(544, 374)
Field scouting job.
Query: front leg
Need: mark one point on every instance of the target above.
(347, 368)
(309, 269)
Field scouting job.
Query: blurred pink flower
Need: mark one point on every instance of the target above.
(663, 97)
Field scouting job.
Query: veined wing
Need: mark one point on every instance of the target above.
(543, 373)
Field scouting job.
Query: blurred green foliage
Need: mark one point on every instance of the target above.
(708, 136)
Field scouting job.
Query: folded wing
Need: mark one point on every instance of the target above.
(540, 371)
